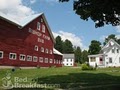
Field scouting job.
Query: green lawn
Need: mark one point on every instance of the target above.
(68, 78)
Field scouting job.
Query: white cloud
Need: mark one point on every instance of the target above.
(118, 29)
(15, 9)
(32, 1)
(76, 41)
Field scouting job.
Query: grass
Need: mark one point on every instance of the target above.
(69, 78)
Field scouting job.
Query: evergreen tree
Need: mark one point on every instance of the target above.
(77, 53)
(84, 56)
(67, 46)
(59, 44)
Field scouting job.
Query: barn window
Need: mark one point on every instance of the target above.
(40, 59)
(29, 58)
(22, 57)
(41, 20)
(110, 60)
(12, 56)
(43, 28)
(1, 54)
(42, 49)
(35, 58)
(30, 30)
(46, 60)
(36, 48)
(51, 61)
(50, 51)
(46, 51)
(38, 26)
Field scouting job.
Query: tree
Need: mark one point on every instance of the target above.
(67, 46)
(112, 36)
(94, 47)
(59, 44)
(84, 57)
(100, 11)
(77, 53)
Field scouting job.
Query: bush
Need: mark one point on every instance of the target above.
(87, 67)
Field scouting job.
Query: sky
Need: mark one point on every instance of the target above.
(62, 20)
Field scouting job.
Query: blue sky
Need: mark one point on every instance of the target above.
(64, 22)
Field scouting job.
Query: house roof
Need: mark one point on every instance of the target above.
(109, 46)
(96, 55)
(68, 55)
(56, 52)
(26, 20)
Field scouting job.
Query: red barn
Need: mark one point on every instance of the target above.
(28, 42)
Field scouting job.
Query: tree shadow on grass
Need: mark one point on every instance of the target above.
(84, 80)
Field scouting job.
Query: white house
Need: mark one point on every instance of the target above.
(109, 56)
(68, 59)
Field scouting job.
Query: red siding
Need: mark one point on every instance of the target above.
(21, 41)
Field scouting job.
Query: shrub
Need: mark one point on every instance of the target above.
(87, 67)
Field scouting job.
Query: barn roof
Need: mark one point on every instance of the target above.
(26, 20)
(56, 52)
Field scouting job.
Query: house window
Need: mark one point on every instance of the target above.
(35, 58)
(71, 60)
(12, 56)
(36, 48)
(46, 60)
(46, 51)
(42, 49)
(50, 51)
(117, 50)
(113, 51)
(1, 54)
(40, 59)
(22, 57)
(51, 61)
(92, 59)
(110, 60)
(29, 58)
(38, 26)
(43, 28)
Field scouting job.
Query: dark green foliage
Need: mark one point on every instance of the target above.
(59, 44)
(78, 54)
(67, 46)
(87, 67)
(100, 11)
(84, 56)
(111, 36)
(94, 47)
(63, 46)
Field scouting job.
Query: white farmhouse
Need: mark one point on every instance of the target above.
(68, 59)
(109, 56)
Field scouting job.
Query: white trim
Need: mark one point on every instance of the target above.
(35, 57)
(23, 57)
(43, 28)
(38, 26)
(1, 55)
(12, 56)
(51, 61)
(36, 48)
(30, 58)
(41, 59)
